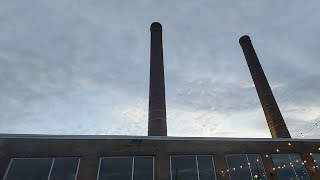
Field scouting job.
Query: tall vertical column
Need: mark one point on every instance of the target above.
(157, 123)
(271, 110)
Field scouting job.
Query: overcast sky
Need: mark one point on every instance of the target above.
(82, 67)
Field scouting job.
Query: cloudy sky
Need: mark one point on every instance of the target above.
(82, 67)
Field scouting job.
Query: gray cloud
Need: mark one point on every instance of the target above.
(70, 67)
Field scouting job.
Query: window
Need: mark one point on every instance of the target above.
(64, 169)
(126, 168)
(245, 166)
(289, 166)
(192, 167)
(316, 158)
(143, 168)
(42, 169)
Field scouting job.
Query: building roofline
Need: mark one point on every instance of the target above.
(126, 137)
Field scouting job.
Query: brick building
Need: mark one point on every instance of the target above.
(159, 157)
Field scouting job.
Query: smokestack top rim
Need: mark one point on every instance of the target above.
(244, 39)
(156, 26)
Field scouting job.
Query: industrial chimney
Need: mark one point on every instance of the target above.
(157, 122)
(271, 110)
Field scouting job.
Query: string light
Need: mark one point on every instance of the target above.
(310, 154)
(277, 150)
(315, 125)
(268, 155)
(289, 144)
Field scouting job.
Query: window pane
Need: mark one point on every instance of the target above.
(299, 168)
(116, 168)
(238, 167)
(184, 168)
(143, 168)
(316, 157)
(256, 166)
(206, 168)
(283, 167)
(64, 169)
(289, 166)
(29, 169)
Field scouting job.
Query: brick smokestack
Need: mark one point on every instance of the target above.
(271, 110)
(157, 121)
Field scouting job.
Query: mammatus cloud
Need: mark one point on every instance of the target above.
(70, 67)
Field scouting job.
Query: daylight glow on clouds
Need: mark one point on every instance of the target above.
(77, 67)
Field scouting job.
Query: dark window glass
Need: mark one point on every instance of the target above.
(289, 166)
(184, 168)
(256, 166)
(206, 168)
(64, 169)
(316, 158)
(116, 168)
(143, 168)
(29, 169)
(299, 168)
(238, 166)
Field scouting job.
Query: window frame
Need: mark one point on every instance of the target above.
(132, 166)
(197, 164)
(291, 161)
(264, 170)
(51, 167)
